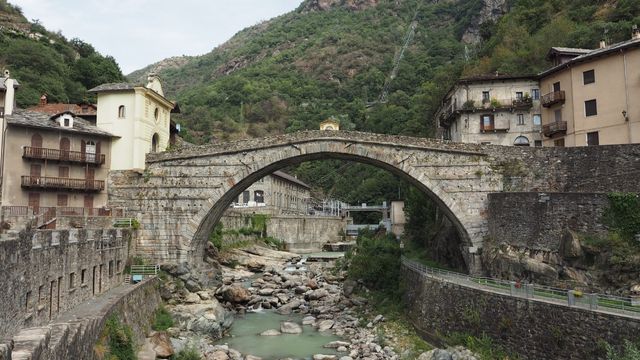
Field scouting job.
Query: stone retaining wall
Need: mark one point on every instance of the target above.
(531, 329)
(299, 233)
(75, 335)
(539, 220)
(47, 272)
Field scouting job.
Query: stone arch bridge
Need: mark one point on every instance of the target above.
(182, 194)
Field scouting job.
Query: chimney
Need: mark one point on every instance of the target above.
(43, 99)
(635, 32)
(603, 44)
(152, 76)
(10, 94)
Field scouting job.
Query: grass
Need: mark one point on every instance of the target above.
(163, 319)
(482, 346)
(188, 353)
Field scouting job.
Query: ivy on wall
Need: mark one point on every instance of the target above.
(623, 215)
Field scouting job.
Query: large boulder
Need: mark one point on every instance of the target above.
(317, 294)
(209, 318)
(570, 247)
(161, 343)
(288, 308)
(325, 325)
(288, 327)
(235, 294)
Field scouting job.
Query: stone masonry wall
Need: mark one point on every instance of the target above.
(299, 233)
(46, 272)
(532, 329)
(75, 335)
(539, 220)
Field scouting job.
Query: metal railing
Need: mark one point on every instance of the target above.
(45, 182)
(146, 270)
(30, 152)
(573, 298)
(61, 211)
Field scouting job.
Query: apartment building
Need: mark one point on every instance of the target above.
(278, 193)
(492, 109)
(51, 161)
(590, 95)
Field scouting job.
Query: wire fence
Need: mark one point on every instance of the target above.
(574, 298)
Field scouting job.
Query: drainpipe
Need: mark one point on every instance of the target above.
(626, 97)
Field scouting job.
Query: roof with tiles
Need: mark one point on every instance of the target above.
(283, 175)
(39, 120)
(115, 87)
(54, 109)
(593, 54)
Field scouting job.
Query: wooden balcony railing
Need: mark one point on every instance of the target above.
(56, 183)
(523, 103)
(62, 155)
(555, 97)
(553, 128)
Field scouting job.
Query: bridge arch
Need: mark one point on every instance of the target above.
(183, 194)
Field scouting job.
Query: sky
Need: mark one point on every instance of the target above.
(141, 32)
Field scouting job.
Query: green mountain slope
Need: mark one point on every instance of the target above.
(46, 62)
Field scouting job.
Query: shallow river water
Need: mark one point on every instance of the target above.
(244, 337)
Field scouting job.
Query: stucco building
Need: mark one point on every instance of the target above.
(276, 194)
(492, 109)
(590, 96)
(52, 161)
(140, 117)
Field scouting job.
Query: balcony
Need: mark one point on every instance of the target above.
(558, 127)
(494, 127)
(62, 155)
(524, 103)
(556, 97)
(56, 183)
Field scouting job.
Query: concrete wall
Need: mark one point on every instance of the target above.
(37, 269)
(531, 329)
(539, 220)
(299, 233)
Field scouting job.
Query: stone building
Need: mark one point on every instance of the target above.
(492, 109)
(83, 110)
(139, 115)
(330, 124)
(589, 95)
(276, 194)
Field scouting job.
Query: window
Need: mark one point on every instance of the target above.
(589, 77)
(63, 200)
(486, 122)
(155, 142)
(593, 139)
(72, 280)
(156, 114)
(246, 196)
(258, 196)
(519, 95)
(121, 112)
(486, 97)
(537, 143)
(111, 268)
(537, 119)
(83, 276)
(90, 150)
(535, 94)
(556, 86)
(27, 300)
(521, 141)
(558, 115)
(520, 119)
(63, 171)
(590, 108)
(558, 142)
(67, 122)
(36, 141)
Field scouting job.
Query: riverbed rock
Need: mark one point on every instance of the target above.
(312, 284)
(309, 320)
(336, 344)
(205, 318)
(348, 287)
(252, 357)
(235, 294)
(325, 325)
(192, 298)
(270, 332)
(161, 344)
(317, 294)
(288, 308)
(324, 357)
(255, 266)
(218, 355)
(288, 327)
(266, 292)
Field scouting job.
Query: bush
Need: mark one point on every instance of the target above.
(163, 319)
(630, 351)
(376, 262)
(188, 353)
(119, 339)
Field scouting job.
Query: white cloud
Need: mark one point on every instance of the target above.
(139, 32)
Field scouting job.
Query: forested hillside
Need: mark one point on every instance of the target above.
(46, 62)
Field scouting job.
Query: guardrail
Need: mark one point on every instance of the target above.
(30, 152)
(573, 298)
(145, 270)
(62, 211)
